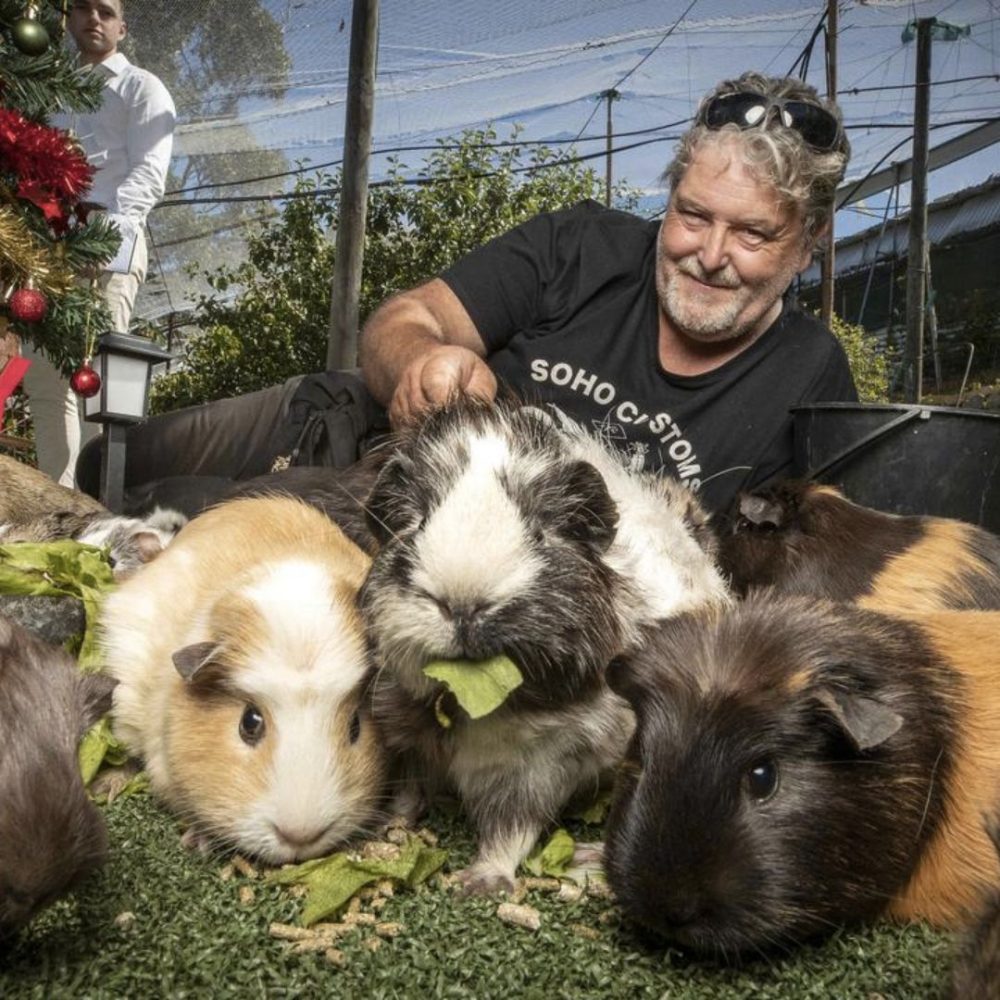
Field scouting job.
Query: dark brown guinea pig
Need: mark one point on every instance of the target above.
(798, 765)
(807, 538)
(51, 834)
(341, 494)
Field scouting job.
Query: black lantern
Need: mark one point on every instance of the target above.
(124, 363)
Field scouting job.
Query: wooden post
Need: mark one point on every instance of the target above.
(931, 319)
(916, 275)
(342, 343)
(609, 96)
(828, 262)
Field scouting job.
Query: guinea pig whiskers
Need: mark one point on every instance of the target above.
(368, 510)
(927, 800)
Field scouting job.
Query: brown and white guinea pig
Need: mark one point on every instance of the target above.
(798, 765)
(35, 508)
(976, 972)
(51, 834)
(807, 538)
(243, 673)
(498, 539)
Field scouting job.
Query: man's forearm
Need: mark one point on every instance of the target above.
(396, 334)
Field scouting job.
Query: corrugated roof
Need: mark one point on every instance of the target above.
(955, 217)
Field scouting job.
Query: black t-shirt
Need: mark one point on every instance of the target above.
(566, 305)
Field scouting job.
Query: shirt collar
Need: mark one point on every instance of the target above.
(113, 65)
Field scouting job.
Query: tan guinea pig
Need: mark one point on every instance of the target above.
(242, 670)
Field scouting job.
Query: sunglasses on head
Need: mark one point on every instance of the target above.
(817, 126)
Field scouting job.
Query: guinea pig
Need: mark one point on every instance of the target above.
(51, 834)
(806, 538)
(243, 673)
(800, 764)
(35, 508)
(341, 494)
(496, 538)
(976, 972)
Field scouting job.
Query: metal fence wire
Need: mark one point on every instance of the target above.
(260, 88)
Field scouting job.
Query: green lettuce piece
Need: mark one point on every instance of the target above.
(331, 881)
(65, 568)
(553, 858)
(100, 746)
(58, 569)
(596, 812)
(480, 686)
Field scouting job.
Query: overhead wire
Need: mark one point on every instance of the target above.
(622, 79)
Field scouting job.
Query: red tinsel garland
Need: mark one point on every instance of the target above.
(52, 171)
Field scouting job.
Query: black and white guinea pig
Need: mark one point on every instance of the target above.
(51, 834)
(798, 765)
(496, 537)
(806, 538)
(243, 672)
(341, 494)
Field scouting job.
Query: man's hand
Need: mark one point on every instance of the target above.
(433, 378)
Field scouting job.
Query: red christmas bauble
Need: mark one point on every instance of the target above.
(85, 381)
(27, 305)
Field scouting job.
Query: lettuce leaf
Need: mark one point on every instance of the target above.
(479, 686)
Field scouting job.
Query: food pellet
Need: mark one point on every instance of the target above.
(521, 916)
(334, 956)
(570, 893)
(244, 867)
(289, 932)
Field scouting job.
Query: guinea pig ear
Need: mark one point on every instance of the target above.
(95, 697)
(390, 504)
(190, 660)
(763, 512)
(867, 722)
(587, 513)
(628, 676)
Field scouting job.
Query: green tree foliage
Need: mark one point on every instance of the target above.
(869, 364)
(210, 54)
(267, 317)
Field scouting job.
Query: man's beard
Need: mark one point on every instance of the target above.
(722, 321)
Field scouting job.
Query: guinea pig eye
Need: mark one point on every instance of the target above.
(251, 725)
(354, 730)
(762, 780)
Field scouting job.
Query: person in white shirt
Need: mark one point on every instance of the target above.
(129, 140)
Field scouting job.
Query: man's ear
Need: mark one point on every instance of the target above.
(811, 242)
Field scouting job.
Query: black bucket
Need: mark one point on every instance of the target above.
(904, 459)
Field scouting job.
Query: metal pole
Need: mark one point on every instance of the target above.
(342, 343)
(112, 485)
(916, 275)
(827, 266)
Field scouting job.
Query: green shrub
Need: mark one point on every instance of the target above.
(869, 364)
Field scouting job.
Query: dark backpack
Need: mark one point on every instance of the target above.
(334, 419)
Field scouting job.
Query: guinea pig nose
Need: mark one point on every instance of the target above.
(298, 836)
(681, 912)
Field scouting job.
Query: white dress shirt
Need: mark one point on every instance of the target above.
(128, 139)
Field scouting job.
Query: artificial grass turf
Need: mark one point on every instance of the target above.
(192, 936)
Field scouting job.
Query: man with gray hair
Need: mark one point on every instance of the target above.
(676, 340)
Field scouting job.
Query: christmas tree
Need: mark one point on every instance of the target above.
(48, 246)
